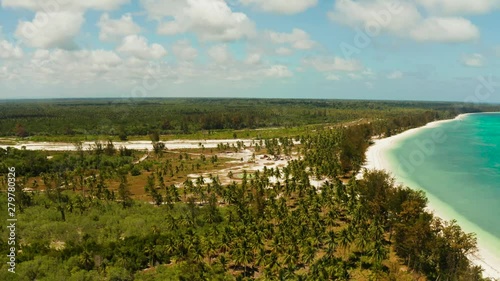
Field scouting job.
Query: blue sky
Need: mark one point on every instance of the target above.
(365, 49)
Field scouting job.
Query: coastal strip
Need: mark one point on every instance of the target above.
(377, 158)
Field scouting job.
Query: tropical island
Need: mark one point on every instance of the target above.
(192, 140)
(220, 189)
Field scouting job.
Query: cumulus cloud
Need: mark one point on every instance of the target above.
(278, 71)
(220, 54)
(68, 59)
(282, 51)
(393, 17)
(450, 30)
(368, 72)
(288, 7)
(328, 64)
(395, 75)
(184, 51)
(55, 23)
(460, 7)
(298, 39)
(404, 19)
(354, 76)
(253, 59)
(10, 51)
(332, 77)
(57, 6)
(51, 30)
(105, 70)
(210, 20)
(474, 60)
(63, 66)
(115, 29)
(137, 46)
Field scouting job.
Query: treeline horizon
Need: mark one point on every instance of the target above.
(142, 117)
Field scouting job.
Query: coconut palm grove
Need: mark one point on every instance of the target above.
(108, 212)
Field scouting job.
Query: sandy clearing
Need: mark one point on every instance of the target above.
(136, 145)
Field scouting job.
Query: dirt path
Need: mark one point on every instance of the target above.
(136, 145)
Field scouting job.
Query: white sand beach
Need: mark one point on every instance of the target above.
(377, 158)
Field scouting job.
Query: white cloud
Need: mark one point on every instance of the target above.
(278, 71)
(474, 60)
(55, 23)
(51, 30)
(106, 5)
(220, 54)
(327, 64)
(158, 9)
(367, 72)
(102, 57)
(332, 77)
(68, 59)
(10, 51)
(210, 20)
(396, 17)
(395, 75)
(460, 7)
(253, 59)
(451, 30)
(71, 67)
(282, 51)
(137, 46)
(104, 70)
(298, 39)
(65, 5)
(115, 29)
(288, 7)
(184, 51)
(354, 76)
(403, 19)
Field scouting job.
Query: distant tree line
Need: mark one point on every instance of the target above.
(182, 116)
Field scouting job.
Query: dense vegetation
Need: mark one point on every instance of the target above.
(80, 218)
(121, 118)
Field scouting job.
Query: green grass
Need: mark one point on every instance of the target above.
(7, 142)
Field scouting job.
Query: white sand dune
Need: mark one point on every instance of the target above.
(377, 158)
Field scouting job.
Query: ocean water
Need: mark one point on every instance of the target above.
(457, 163)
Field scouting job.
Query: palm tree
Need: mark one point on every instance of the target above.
(331, 240)
(309, 253)
(243, 255)
(344, 239)
(290, 258)
(223, 261)
(86, 261)
(362, 240)
(272, 262)
(342, 272)
(378, 253)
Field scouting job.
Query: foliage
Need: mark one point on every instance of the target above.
(85, 224)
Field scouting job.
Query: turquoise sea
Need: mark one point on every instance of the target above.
(457, 164)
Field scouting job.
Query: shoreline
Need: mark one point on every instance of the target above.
(377, 158)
